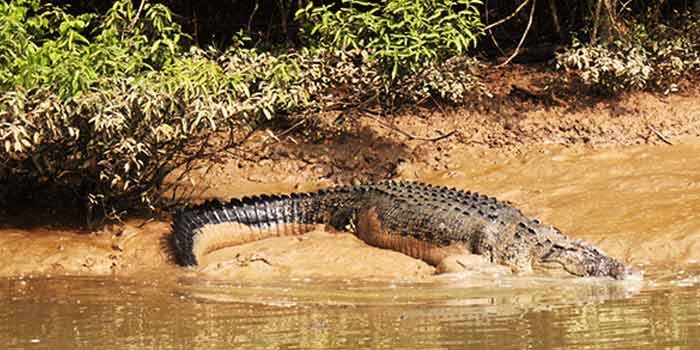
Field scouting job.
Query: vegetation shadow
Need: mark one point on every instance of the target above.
(342, 150)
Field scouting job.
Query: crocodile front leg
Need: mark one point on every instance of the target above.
(454, 257)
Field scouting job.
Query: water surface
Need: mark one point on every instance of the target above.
(72, 313)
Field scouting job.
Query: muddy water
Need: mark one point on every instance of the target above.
(639, 204)
(118, 314)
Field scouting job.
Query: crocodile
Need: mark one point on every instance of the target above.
(427, 222)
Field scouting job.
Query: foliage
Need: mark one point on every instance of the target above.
(351, 78)
(454, 81)
(405, 36)
(110, 112)
(674, 52)
(110, 105)
(42, 45)
(611, 70)
(656, 58)
(272, 84)
(114, 146)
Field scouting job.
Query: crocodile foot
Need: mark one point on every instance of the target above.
(468, 262)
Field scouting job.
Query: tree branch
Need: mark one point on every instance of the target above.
(404, 133)
(489, 31)
(488, 27)
(522, 39)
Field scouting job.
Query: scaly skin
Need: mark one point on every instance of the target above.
(420, 220)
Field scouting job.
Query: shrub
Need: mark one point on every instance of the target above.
(113, 147)
(106, 107)
(111, 113)
(656, 58)
(674, 52)
(272, 84)
(453, 81)
(42, 45)
(610, 70)
(351, 78)
(405, 36)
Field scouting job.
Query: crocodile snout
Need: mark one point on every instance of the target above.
(619, 271)
(630, 273)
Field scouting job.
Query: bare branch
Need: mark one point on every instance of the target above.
(252, 14)
(404, 133)
(660, 135)
(555, 17)
(522, 39)
(490, 32)
(520, 7)
(138, 14)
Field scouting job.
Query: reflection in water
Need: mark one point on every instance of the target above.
(76, 313)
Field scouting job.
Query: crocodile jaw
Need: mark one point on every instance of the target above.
(581, 259)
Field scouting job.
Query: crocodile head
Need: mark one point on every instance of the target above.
(536, 247)
(581, 259)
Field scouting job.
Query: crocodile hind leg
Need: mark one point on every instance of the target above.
(452, 258)
(213, 237)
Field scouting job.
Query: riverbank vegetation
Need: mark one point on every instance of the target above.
(101, 102)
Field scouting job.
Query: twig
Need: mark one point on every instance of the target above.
(278, 137)
(555, 17)
(273, 136)
(252, 14)
(522, 39)
(138, 14)
(624, 5)
(404, 133)
(612, 17)
(442, 110)
(291, 128)
(490, 32)
(660, 136)
(488, 27)
(596, 21)
(283, 18)
(525, 91)
(145, 222)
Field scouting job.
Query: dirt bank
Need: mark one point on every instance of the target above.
(504, 150)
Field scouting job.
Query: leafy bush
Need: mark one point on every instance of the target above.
(405, 36)
(351, 78)
(675, 53)
(454, 81)
(656, 58)
(113, 146)
(611, 70)
(109, 106)
(272, 84)
(42, 45)
(109, 113)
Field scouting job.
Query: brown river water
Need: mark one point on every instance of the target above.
(640, 204)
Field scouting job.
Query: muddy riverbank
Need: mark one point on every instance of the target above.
(623, 176)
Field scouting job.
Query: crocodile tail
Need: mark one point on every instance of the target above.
(201, 229)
